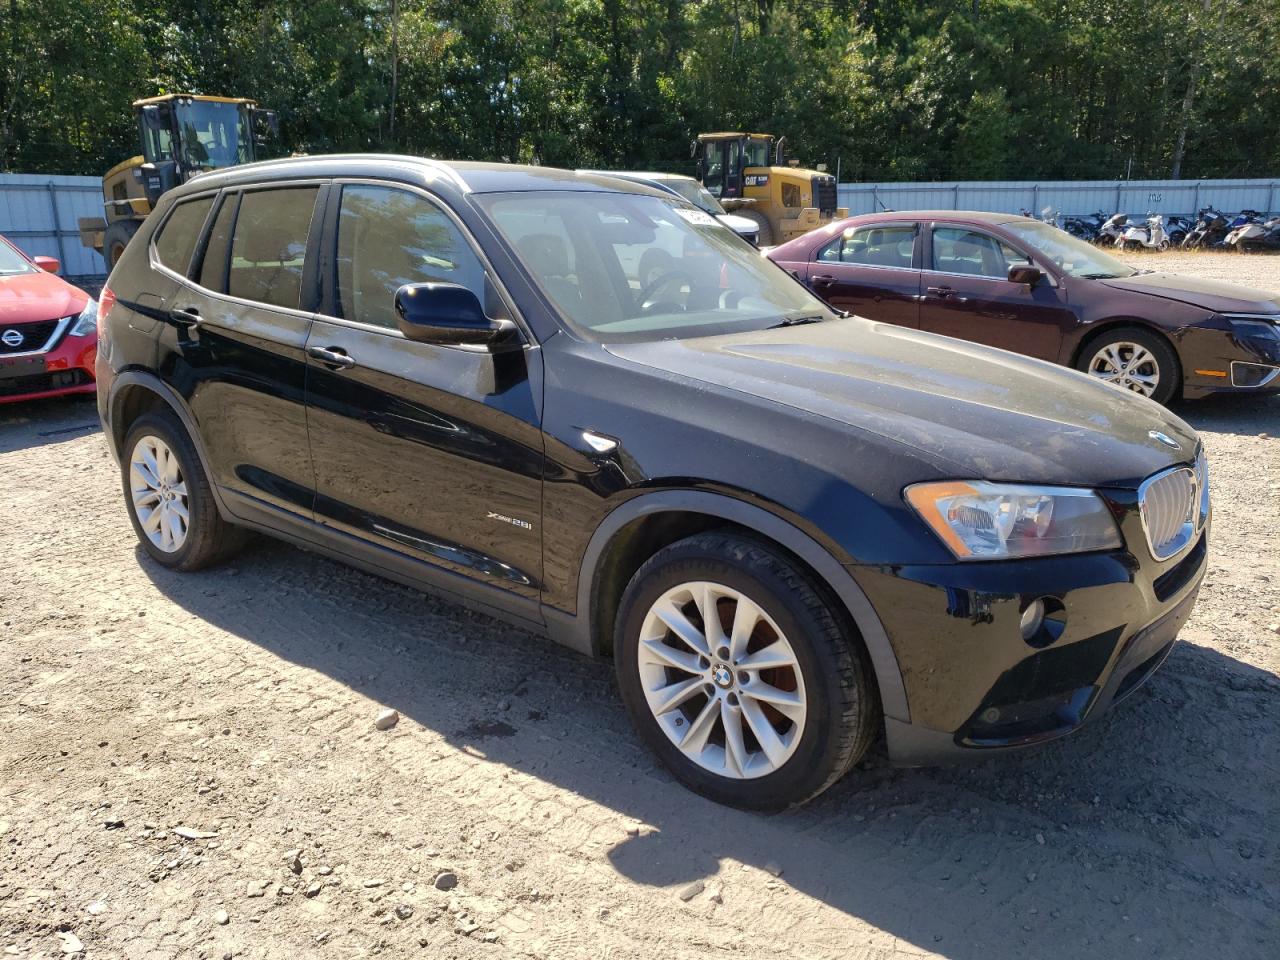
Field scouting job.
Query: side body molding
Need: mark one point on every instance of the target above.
(577, 631)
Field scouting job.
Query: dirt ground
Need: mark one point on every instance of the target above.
(238, 707)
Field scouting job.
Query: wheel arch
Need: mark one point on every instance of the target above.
(639, 527)
(137, 392)
(1114, 323)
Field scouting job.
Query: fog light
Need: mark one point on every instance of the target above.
(1032, 619)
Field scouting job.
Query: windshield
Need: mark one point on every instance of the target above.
(695, 193)
(1074, 257)
(12, 262)
(213, 134)
(624, 267)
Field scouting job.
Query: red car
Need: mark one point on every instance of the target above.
(48, 330)
(1026, 286)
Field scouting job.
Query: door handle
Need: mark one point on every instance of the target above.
(938, 291)
(185, 316)
(333, 357)
(823, 280)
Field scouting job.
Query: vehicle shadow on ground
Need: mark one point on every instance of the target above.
(35, 423)
(1144, 835)
(1234, 413)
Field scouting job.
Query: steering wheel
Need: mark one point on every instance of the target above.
(648, 305)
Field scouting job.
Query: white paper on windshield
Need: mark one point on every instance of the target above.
(699, 218)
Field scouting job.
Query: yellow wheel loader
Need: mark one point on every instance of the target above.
(785, 199)
(182, 135)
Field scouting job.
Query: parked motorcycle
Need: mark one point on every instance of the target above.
(1210, 228)
(1112, 230)
(1085, 227)
(1177, 227)
(1255, 235)
(1150, 235)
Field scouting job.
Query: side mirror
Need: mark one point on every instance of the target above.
(48, 264)
(1025, 273)
(447, 314)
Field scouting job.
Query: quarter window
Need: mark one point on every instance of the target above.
(268, 249)
(956, 250)
(181, 231)
(213, 269)
(873, 247)
(389, 237)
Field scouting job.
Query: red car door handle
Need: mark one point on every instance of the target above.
(822, 280)
(938, 291)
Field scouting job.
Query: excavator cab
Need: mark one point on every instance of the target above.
(723, 159)
(182, 135)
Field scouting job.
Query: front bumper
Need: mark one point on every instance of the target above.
(1230, 356)
(65, 369)
(975, 687)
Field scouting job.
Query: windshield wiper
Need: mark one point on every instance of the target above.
(796, 321)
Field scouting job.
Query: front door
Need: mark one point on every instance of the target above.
(431, 451)
(871, 271)
(234, 346)
(722, 168)
(967, 294)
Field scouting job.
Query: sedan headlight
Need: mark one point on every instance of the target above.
(87, 321)
(991, 521)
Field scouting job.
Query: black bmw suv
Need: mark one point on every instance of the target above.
(588, 408)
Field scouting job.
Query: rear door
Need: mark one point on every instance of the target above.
(431, 451)
(872, 271)
(234, 343)
(967, 294)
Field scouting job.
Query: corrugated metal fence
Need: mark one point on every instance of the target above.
(40, 214)
(1069, 197)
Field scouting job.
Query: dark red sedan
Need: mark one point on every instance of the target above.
(48, 330)
(1026, 286)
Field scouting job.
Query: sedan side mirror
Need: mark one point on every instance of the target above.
(447, 314)
(48, 264)
(1025, 273)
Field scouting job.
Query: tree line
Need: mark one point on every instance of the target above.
(886, 89)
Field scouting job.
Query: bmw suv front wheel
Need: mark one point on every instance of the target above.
(739, 674)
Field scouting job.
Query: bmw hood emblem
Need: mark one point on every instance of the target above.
(1164, 438)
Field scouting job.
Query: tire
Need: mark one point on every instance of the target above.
(1094, 361)
(827, 690)
(765, 237)
(115, 239)
(206, 538)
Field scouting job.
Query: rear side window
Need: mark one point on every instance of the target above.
(213, 270)
(179, 234)
(872, 247)
(269, 245)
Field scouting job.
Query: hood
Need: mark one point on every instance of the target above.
(32, 297)
(1212, 295)
(973, 412)
(739, 225)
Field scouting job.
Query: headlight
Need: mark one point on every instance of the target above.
(87, 321)
(989, 521)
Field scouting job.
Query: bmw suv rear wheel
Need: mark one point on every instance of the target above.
(739, 675)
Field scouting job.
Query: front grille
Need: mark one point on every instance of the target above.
(42, 382)
(1171, 505)
(26, 337)
(824, 195)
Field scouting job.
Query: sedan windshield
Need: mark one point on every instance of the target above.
(1073, 256)
(12, 262)
(625, 267)
(695, 193)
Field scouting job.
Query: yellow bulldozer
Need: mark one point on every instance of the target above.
(182, 135)
(785, 199)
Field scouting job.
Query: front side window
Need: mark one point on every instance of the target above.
(757, 153)
(624, 267)
(268, 249)
(12, 262)
(181, 231)
(957, 250)
(389, 237)
(873, 247)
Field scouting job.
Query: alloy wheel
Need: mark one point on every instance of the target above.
(1128, 365)
(159, 493)
(721, 680)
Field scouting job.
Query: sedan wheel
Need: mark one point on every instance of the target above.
(1128, 365)
(721, 680)
(159, 493)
